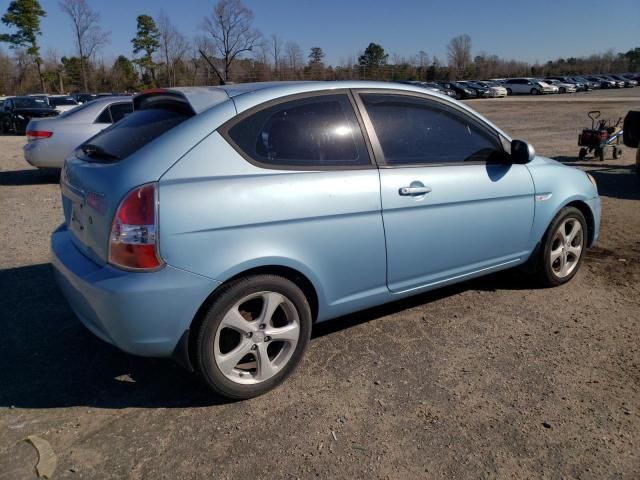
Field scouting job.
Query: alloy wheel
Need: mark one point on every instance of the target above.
(566, 248)
(256, 337)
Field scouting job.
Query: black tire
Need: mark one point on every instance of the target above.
(546, 276)
(563, 90)
(582, 154)
(230, 295)
(600, 154)
(638, 162)
(535, 91)
(509, 92)
(617, 153)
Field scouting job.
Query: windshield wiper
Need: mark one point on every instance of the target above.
(95, 151)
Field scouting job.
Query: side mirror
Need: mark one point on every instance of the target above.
(521, 152)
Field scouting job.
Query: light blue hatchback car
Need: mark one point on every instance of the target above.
(217, 224)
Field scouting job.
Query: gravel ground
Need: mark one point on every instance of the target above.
(493, 378)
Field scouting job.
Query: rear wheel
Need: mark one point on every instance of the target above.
(582, 154)
(563, 247)
(600, 154)
(509, 92)
(253, 336)
(563, 90)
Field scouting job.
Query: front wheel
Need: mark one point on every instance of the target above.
(535, 91)
(509, 92)
(253, 336)
(563, 247)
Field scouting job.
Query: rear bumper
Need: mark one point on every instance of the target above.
(141, 313)
(37, 154)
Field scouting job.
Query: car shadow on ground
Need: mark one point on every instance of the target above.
(31, 176)
(615, 181)
(50, 360)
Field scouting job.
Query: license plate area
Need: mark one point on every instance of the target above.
(77, 219)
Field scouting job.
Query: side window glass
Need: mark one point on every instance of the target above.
(318, 131)
(104, 117)
(417, 131)
(120, 110)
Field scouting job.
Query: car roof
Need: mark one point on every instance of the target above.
(248, 95)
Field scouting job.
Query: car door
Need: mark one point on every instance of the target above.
(300, 189)
(451, 205)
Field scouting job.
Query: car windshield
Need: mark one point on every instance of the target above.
(62, 101)
(475, 85)
(459, 85)
(30, 102)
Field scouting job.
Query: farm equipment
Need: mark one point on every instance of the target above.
(602, 135)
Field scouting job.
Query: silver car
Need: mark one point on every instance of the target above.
(51, 140)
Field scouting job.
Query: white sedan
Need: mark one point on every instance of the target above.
(497, 90)
(562, 87)
(63, 103)
(50, 141)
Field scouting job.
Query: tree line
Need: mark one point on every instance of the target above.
(164, 56)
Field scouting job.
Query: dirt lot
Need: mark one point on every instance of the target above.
(493, 378)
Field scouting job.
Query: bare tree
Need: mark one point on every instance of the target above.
(89, 36)
(275, 46)
(173, 46)
(294, 57)
(231, 31)
(459, 54)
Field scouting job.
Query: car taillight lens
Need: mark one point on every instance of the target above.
(38, 134)
(132, 242)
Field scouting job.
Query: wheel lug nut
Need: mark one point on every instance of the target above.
(249, 334)
(263, 326)
(254, 346)
(267, 338)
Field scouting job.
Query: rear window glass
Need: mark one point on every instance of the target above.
(62, 101)
(129, 135)
(319, 131)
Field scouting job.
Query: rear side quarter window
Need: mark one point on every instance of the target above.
(316, 132)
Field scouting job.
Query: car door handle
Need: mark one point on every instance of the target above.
(408, 191)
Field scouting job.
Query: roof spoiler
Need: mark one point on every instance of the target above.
(190, 100)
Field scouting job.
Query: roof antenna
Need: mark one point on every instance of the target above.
(222, 82)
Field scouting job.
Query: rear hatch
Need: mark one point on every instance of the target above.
(134, 151)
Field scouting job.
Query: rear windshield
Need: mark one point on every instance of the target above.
(62, 101)
(30, 102)
(130, 134)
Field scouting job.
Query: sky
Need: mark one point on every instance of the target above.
(529, 30)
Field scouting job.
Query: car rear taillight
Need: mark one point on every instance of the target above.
(132, 242)
(38, 134)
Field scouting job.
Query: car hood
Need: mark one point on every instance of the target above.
(35, 112)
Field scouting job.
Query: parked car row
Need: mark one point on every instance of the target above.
(16, 112)
(501, 87)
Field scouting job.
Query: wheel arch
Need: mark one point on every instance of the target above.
(588, 215)
(184, 351)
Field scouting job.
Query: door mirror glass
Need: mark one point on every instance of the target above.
(522, 152)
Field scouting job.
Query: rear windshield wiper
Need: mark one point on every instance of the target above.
(95, 151)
